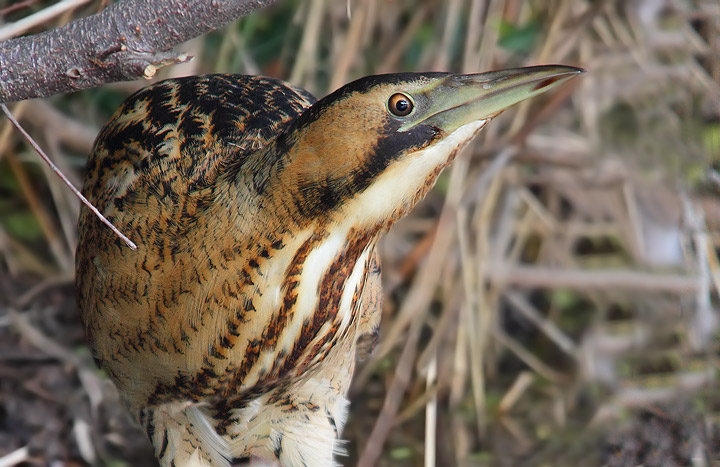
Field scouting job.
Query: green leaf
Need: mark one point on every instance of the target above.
(22, 225)
(519, 39)
(711, 137)
(401, 453)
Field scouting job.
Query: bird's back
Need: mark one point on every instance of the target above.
(177, 136)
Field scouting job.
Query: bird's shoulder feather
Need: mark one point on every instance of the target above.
(177, 135)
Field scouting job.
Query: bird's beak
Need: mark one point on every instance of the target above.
(460, 99)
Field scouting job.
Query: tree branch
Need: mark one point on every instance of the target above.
(127, 40)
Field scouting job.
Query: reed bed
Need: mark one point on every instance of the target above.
(554, 301)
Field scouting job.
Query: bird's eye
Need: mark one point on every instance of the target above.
(400, 105)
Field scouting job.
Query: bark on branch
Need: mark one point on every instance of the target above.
(127, 40)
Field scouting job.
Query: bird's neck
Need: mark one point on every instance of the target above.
(320, 182)
(296, 184)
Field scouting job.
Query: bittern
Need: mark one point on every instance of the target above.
(232, 331)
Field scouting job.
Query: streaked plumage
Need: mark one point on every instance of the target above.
(232, 331)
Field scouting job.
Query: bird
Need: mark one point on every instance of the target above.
(233, 330)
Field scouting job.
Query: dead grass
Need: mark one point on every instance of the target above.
(553, 302)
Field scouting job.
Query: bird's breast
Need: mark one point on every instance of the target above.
(314, 303)
(292, 308)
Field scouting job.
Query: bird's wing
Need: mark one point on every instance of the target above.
(156, 173)
(178, 134)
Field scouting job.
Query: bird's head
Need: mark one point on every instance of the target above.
(374, 147)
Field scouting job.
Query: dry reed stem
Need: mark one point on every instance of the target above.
(412, 312)
(390, 62)
(452, 14)
(68, 131)
(56, 244)
(497, 221)
(27, 297)
(557, 19)
(17, 6)
(474, 31)
(517, 389)
(528, 357)
(417, 405)
(473, 333)
(7, 128)
(554, 333)
(348, 50)
(15, 457)
(67, 207)
(443, 327)
(584, 280)
(306, 59)
(17, 28)
(431, 415)
(482, 317)
(21, 259)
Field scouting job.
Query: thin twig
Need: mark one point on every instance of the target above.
(64, 179)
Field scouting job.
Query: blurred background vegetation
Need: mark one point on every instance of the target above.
(554, 301)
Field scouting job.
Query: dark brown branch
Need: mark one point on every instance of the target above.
(128, 40)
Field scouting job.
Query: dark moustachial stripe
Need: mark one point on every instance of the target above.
(316, 197)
